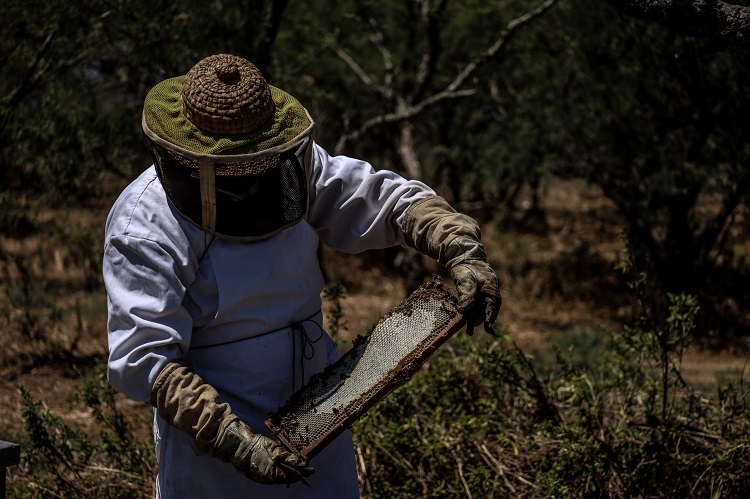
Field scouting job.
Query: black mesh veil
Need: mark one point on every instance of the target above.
(232, 201)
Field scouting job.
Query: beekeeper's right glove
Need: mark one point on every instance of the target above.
(186, 402)
(434, 228)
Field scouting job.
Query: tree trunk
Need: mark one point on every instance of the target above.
(407, 151)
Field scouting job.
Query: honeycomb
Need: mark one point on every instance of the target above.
(376, 364)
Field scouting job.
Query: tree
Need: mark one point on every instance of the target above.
(409, 73)
(477, 98)
(659, 126)
(726, 25)
(74, 79)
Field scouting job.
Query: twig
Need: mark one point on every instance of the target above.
(461, 474)
(112, 470)
(498, 465)
(363, 467)
(397, 459)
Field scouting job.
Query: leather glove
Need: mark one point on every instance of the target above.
(188, 403)
(434, 228)
(477, 284)
(257, 456)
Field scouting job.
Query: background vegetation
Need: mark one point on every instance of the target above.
(493, 104)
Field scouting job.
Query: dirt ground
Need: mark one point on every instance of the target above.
(556, 279)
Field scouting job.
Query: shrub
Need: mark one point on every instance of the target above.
(61, 461)
(484, 419)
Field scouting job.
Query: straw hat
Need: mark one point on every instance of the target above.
(226, 95)
(224, 108)
(231, 152)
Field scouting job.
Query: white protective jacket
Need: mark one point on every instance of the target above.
(247, 315)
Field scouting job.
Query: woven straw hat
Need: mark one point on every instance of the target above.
(226, 95)
(224, 111)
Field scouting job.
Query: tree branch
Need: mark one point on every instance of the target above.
(510, 30)
(361, 73)
(31, 75)
(36, 70)
(271, 26)
(378, 39)
(452, 91)
(397, 116)
(430, 19)
(713, 234)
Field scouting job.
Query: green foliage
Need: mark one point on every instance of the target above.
(75, 76)
(26, 307)
(60, 461)
(335, 324)
(654, 120)
(505, 424)
(481, 418)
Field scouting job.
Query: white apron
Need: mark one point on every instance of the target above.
(246, 315)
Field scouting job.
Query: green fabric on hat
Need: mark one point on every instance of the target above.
(164, 117)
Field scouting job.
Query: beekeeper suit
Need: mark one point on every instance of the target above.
(213, 281)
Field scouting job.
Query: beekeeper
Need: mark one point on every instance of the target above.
(213, 280)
